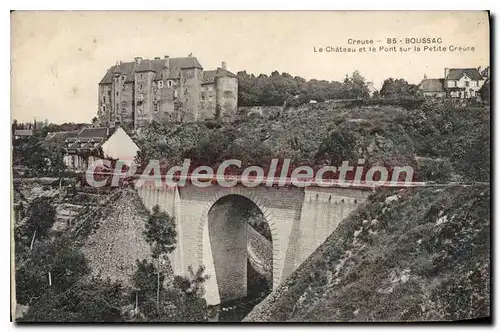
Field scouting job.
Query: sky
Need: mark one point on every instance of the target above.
(58, 58)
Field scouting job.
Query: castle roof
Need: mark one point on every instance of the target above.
(210, 75)
(457, 73)
(432, 85)
(130, 68)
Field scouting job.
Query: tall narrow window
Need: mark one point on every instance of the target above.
(160, 84)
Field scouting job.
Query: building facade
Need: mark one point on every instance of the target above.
(463, 83)
(92, 144)
(169, 89)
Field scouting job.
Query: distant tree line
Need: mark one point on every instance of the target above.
(398, 88)
(278, 89)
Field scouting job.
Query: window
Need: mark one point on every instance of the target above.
(109, 93)
(156, 107)
(104, 99)
(140, 86)
(175, 93)
(124, 111)
(203, 96)
(122, 77)
(466, 83)
(169, 83)
(160, 84)
(210, 88)
(117, 93)
(124, 87)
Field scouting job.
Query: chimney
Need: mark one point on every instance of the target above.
(224, 65)
(425, 76)
(157, 58)
(121, 62)
(167, 61)
(137, 60)
(446, 71)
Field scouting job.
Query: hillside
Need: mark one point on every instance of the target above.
(419, 254)
(441, 140)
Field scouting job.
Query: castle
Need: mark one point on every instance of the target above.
(134, 94)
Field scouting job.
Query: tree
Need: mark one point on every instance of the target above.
(485, 92)
(217, 112)
(181, 301)
(161, 235)
(160, 232)
(355, 86)
(93, 300)
(51, 266)
(398, 88)
(41, 217)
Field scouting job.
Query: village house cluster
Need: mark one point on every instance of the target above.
(136, 93)
(463, 83)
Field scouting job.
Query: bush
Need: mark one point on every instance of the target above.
(435, 170)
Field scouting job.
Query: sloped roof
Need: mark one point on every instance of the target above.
(210, 75)
(60, 135)
(225, 72)
(88, 138)
(432, 85)
(130, 68)
(93, 132)
(457, 73)
(23, 132)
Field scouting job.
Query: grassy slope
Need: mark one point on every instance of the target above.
(422, 254)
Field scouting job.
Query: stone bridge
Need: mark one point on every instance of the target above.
(300, 219)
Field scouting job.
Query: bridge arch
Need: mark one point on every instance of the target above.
(242, 195)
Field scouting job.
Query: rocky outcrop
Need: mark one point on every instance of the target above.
(260, 253)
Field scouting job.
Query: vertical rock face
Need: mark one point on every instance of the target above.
(112, 250)
(260, 254)
(420, 254)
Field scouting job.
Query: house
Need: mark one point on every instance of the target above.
(18, 133)
(463, 83)
(91, 144)
(432, 87)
